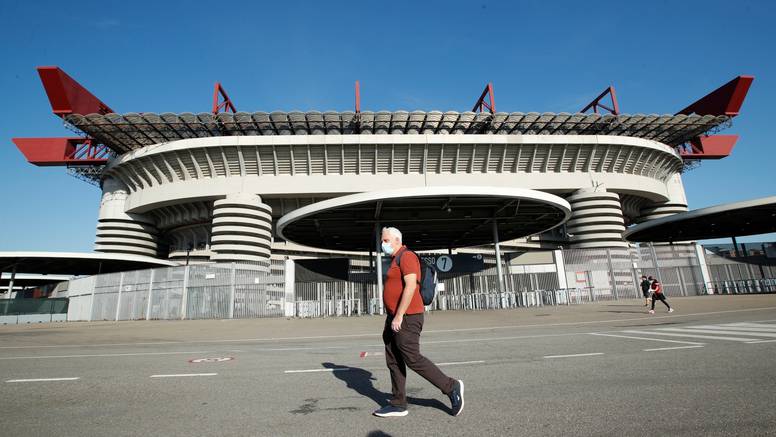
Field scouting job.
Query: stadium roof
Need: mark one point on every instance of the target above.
(749, 217)
(429, 217)
(74, 263)
(125, 132)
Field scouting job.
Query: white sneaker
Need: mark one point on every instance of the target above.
(670, 310)
(652, 311)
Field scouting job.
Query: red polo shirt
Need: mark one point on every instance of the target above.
(394, 285)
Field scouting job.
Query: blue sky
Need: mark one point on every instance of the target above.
(541, 56)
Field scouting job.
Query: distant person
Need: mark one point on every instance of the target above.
(645, 286)
(657, 294)
(401, 334)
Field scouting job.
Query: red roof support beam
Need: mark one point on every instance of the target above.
(725, 100)
(226, 105)
(483, 104)
(596, 103)
(709, 147)
(358, 98)
(62, 151)
(68, 96)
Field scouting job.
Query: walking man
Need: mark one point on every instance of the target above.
(657, 294)
(645, 286)
(401, 334)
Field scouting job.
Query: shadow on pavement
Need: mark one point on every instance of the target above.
(360, 380)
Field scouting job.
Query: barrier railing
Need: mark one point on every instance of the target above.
(14, 311)
(744, 286)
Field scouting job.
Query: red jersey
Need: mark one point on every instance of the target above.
(657, 288)
(394, 283)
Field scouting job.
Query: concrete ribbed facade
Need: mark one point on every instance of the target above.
(120, 232)
(596, 219)
(242, 229)
(215, 199)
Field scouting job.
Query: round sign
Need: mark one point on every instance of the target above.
(211, 360)
(444, 263)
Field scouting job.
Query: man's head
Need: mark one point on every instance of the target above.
(651, 278)
(643, 277)
(391, 240)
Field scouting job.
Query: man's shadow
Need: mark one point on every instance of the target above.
(360, 381)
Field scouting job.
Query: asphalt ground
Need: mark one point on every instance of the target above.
(599, 369)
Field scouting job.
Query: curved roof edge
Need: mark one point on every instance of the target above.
(672, 227)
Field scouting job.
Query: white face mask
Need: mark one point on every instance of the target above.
(387, 248)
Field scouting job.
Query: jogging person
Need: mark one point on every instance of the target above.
(401, 334)
(645, 286)
(657, 294)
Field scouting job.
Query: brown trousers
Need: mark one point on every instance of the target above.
(402, 350)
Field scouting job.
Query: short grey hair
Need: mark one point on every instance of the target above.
(393, 231)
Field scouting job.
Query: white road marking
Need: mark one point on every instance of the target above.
(695, 329)
(673, 348)
(645, 338)
(456, 363)
(760, 326)
(760, 341)
(688, 335)
(574, 355)
(485, 328)
(336, 369)
(102, 355)
(43, 379)
(738, 329)
(177, 375)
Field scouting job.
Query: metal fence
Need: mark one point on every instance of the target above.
(214, 291)
(222, 291)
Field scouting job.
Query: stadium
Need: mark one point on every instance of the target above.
(250, 187)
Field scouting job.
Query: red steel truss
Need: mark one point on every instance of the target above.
(226, 104)
(489, 104)
(725, 100)
(358, 98)
(596, 103)
(62, 151)
(68, 96)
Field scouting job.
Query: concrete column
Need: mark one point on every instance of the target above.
(499, 271)
(10, 283)
(676, 203)
(560, 268)
(704, 268)
(242, 230)
(596, 219)
(289, 288)
(150, 295)
(119, 232)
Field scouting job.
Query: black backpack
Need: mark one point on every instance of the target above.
(427, 280)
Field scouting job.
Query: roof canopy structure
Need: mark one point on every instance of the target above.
(131, 131)
(74, 264)
(750, 217)
(428, 217)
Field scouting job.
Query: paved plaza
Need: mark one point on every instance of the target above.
(606, 368)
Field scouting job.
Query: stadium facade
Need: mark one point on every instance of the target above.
(249, 186)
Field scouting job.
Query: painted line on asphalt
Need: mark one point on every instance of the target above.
(181, 375)
(460, 363)
(760, 341)
(41, 357)
(486, 328)
(673, 348)
(645, 338)
(592, 354)
(689, 335)
(335, 369)
(43, 379)
(693, 329)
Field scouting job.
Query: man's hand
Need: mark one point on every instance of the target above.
(396, 323)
